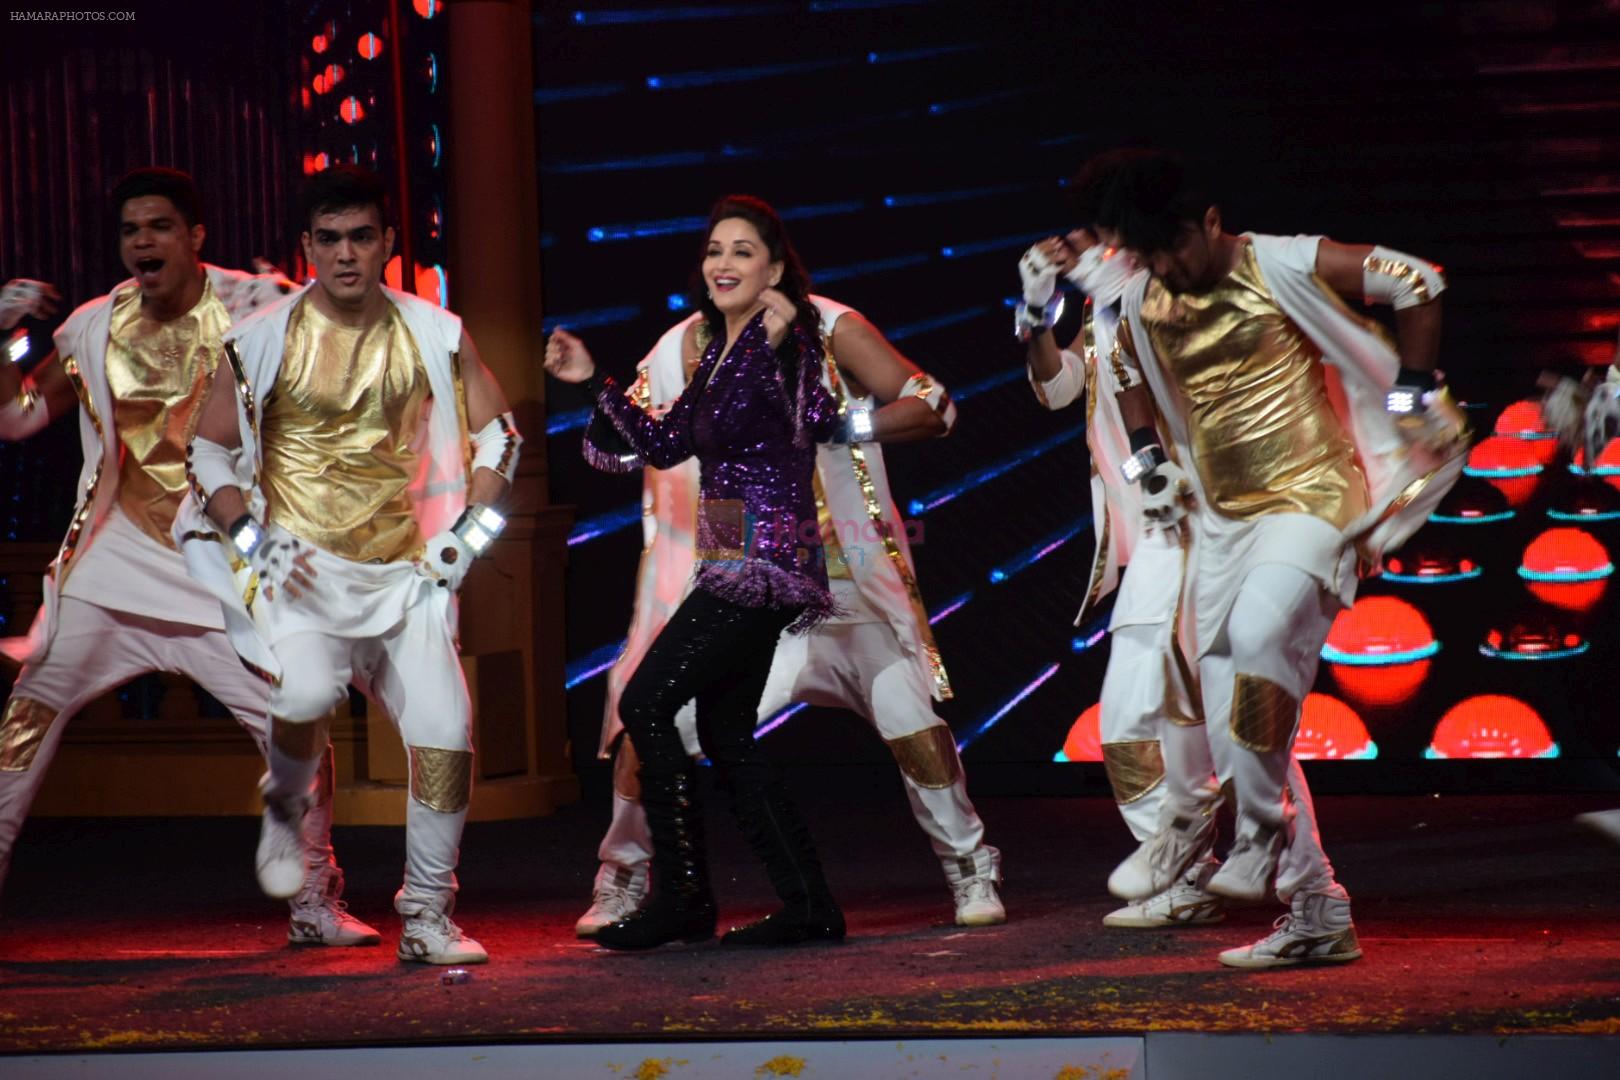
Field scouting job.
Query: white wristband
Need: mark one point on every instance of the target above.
(210, 466)
(928, 388)
(496, 447)
(1405, 281)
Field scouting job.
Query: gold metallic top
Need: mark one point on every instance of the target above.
(338, 429)
(159, 374)
(1264, 433)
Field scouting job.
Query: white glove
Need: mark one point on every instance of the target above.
(446, 560)
(23, 296)
(1164, 495)
(275, 555)
(1101, 273)
(1039, 275)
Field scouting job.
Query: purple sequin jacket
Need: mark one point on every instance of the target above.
(754, 435)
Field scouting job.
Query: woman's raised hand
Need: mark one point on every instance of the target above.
(779, 315)
(567, 358)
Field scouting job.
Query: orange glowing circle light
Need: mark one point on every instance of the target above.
(320, 84)
(1492, 726)
(320, 43)
(1608, 463)
(1567, 567)
(1522, 419)
(334, 74)
(370, 46)
(1084, 742)
(351, 110)
(426, 8)
(1512, 465)
(1608, 457)
(322, 161)
(1330, 730)
(1378, 650)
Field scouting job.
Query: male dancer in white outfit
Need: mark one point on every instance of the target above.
(1311, 447)
(877, 659)
(1151, 726)
(332, 445)
(119, 603)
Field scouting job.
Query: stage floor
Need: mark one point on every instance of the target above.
(1477, 914)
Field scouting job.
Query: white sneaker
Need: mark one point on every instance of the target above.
(619, 893)
(1186, 903)
(1606, 823)
(1316, 930)
(977, 903)
(327, 921)
(281, 860)
(431, 938)
(1161, 860)
(1250, 866)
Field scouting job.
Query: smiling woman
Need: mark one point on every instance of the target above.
(752, 413)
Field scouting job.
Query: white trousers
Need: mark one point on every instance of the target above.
(98, 649)
(414, 673)
(1145, 722)
(859, 666)
(1263, 662)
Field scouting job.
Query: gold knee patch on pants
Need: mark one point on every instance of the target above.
(1263, 714)
(1134, 768)
(22, 730)
(627, 771)
(441, 779)
(928, 757)
(301, 741)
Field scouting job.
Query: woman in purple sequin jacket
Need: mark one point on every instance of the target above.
(752, 414)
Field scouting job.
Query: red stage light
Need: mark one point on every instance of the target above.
(322, 161)
(351, 110)
(319, 83)
(1523, 420)
(1513, 466)
(1084, 742)
(320, 43)
(334, 75)
(1492, 726)
(426, 8)
(1566, 567)
(370, 46)
(1330, 730)
(1608, 457)
(1586, 499)
(1379, 650)
(1535, 635)
(1472, 502)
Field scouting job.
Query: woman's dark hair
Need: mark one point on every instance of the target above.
(1149, 197)
(795, 283)
(171, 184)
(342, 187)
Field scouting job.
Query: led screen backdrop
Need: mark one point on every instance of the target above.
(916, 148)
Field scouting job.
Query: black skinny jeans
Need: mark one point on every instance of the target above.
(720, 654)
